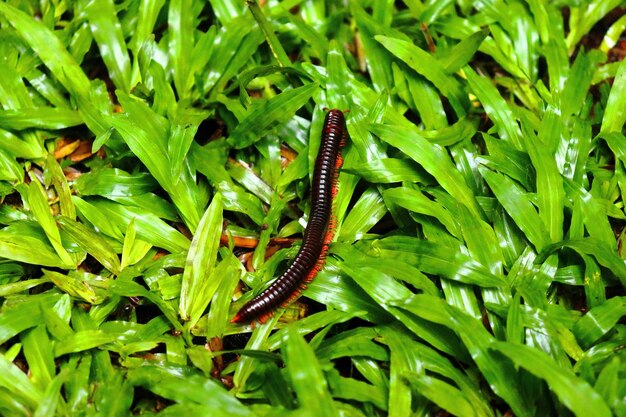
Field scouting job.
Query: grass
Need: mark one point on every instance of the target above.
(155, 160)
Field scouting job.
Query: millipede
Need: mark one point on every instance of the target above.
(319, 231)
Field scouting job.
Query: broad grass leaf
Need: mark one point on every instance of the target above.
(424, 97)
(441, 393)
(433, 158)
(116, 217)
(605, 255)
(217, 318)
(495, 106)
(27, 146)
(519, 206)
(493, 366)
(345, 295)
(357, 390)
(132, 289)
(574, 392)
(226, 10)
(599, 320)
(460, 54)
(386, 292)
(367, 211)
(268, 30)
(25, 315)
(437, 258)
(55, 176)
(387, 170)
(114, 182)
(415, 201)
(429, 67)
(146, 134)
(245, 176)
(133, 249)
(107, 32)
(584, 16)
(38, 203)
(10, 169)
(38, 351)
(21, 286)
(464, 129)
(50, 49)
(550, 192)
(264, 117)
(83, 340)
(235, 44)
(337, 83)
(615, 111)
(52, 397)
(578, 82)
(402, 361)
(181, 21)
(92, 291)
(306, 377)
(18, 384)
(613, 34)
(324, 320)
(92, 243)
(147, 16)
(42, 118)
(201, 259)
(187, 387)
(355, 342)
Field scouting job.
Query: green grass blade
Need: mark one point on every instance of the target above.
(426, 65)
(615, 112)
(367, 211)
(181, 22)
(18, 385)
(432, 158)
(52, 397)
(182, 385)
(495, 369)
(599, 320)
(461, 53)
(39, 206)
(262, 118)
(518, 205)
(200, 263)
(495, 106)
(42, 118)
(574, 392)
(107, 32)
(92, 243)
(49, 48)
(306, 377)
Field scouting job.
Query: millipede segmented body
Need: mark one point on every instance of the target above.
(319, 230)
